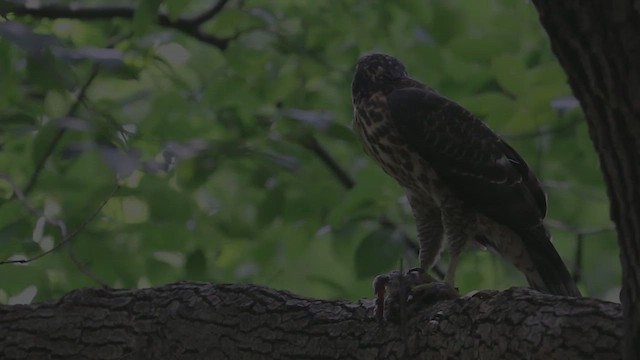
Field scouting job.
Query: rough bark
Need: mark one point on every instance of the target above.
(195, 320)
(598, 45)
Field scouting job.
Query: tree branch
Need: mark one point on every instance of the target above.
(196, 320)
(64, 236)
(595, 43)
(188, 26)
(210, 13)
(577, 230)
(314, 146)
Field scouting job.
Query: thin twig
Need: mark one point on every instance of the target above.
(557, 129)
(584, 193)
(187, 26)
(66, 237)
(577, 266)
(58, 136)
(591, 230)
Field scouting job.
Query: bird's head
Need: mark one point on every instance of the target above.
(375, 70)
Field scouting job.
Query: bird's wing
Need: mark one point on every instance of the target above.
(474, 162)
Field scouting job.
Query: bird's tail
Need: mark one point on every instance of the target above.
(551, 275)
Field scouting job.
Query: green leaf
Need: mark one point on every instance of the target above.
(146, 14)
(510, 70)
(192, 173)
(339, 290)
(42, 142)
(479, 48)
(176, 7)
(16, 118)
(378, 252)
(28, 275)
(56, 104)
(342, 132)
(491, 106)
(196, 265)
(231, 21)
(159, 272)
(15, 225)
(547, 74)
(346, 239)
(46, 71)
(444, 21)
(373, 191)
(10, 212)
(271, 207)
(134, 210)
(165, 203)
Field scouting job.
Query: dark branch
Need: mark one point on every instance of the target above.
(312, 144)
(189, 27)
(55, 11)
(210, 13)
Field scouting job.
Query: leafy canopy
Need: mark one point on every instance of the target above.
(217, 147)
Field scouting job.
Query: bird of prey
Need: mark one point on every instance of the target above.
(463, 182)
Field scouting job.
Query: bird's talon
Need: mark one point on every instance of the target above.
(433, 292)
(415, 287)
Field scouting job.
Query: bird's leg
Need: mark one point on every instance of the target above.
(430, 231)
(396, 289)
(450, 276)
(458, 230)
(430, 237)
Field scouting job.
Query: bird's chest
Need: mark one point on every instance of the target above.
(380, 139)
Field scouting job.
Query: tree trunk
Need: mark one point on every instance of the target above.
(195, 320)
(598, 45)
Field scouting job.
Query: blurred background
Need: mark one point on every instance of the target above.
(212, 142)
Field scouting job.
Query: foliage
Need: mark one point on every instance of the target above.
(215, 153)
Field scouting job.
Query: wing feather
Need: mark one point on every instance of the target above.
(470, 158)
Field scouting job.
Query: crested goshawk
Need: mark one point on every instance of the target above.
(463, 182)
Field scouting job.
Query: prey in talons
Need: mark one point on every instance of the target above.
(412, 290)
